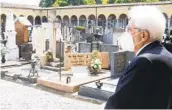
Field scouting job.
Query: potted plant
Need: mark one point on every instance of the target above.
(49, 56)
(95, 63)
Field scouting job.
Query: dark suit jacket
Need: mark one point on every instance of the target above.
(168, 46)
(145, 83)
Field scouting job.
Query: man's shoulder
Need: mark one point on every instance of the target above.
(140, 60)
(138, 63)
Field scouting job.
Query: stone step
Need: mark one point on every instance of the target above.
(52, 68)
(14, 64)
(16, 76)
(107, 89)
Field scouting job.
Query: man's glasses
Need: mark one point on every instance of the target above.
(128, 29)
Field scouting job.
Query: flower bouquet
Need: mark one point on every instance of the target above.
(95, 63)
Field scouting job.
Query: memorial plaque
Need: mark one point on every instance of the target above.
(77, 59)
(84, 59)
(80, 71)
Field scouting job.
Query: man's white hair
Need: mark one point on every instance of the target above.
(149, 18)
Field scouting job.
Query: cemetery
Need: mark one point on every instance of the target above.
(74, 53)
(82, 60)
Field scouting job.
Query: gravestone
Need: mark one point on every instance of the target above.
(58, 53)
(26, 51)
(80, 71)
(77, 59)
(109, 48)
(84, 47)
(108, 38)
(119, 61)
(96, 45)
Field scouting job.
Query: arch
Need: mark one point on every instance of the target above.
(30, 18)
(66, 20)
(123, 21)
(111, 20)
(21, 15)
(59, 19)
(83, 20)
(74, 20)
(44, 19)
(102, 20)
(91, 20)
(166, 18)
(171, 21)
(37, 20)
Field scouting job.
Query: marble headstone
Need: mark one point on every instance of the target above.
(119, 61)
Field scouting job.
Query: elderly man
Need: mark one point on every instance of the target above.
(145, 83)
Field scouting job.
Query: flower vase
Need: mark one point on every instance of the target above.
(94, 72)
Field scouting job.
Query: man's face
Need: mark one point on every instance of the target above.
(134, 33)
(138, 35)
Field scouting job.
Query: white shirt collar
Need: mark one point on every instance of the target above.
(142, 48)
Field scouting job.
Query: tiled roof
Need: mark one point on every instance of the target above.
(11, 5)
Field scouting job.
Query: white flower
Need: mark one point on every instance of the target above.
(96, 63)
(95, 66)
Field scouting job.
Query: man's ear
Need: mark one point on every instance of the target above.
(145, 36)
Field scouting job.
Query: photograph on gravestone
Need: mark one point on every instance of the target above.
(80, 71)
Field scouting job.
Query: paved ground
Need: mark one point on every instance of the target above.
(16, 96)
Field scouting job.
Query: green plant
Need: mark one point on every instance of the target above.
(49, 56)
(80, 28)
